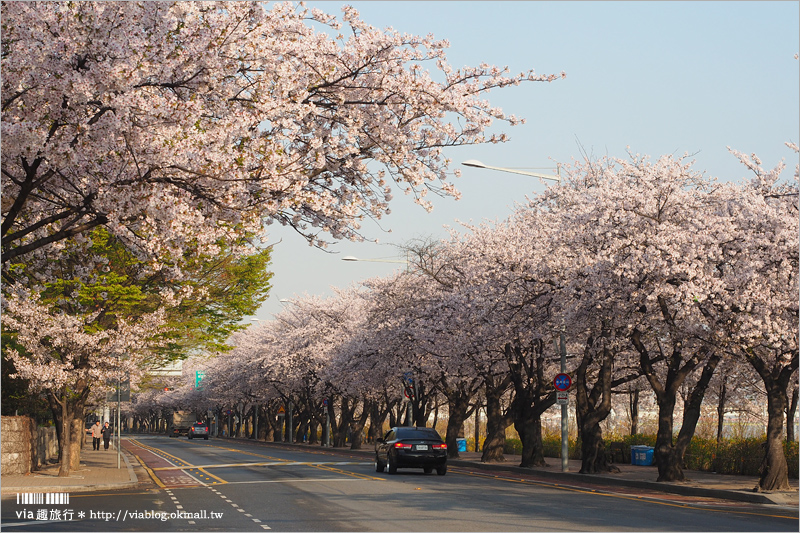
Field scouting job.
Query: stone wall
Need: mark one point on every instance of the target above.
(26, 447)
(16, 452)
(46, 449)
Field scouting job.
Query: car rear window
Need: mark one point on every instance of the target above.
(418, 433)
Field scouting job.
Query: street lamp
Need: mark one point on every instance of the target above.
(562, 348)
(477, 164)
(351, 258)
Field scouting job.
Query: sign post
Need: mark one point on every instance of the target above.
(290, 424)
(281, 415)
(562, 383)
(121, 394)
(327, 423)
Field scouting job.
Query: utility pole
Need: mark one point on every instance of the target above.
(564, 411)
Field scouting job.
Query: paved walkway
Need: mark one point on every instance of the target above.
(99, 471)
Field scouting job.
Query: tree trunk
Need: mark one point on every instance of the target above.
(668, 461)
(65, 441)
(357, 426)
(530, 430)
(66, 405)
(458, 407)
(790, 412)
(723, 391)
(592, 406)
(378, 411)
(691, 408)
(633, 401)
(532, 398)
(338, 427)
(496, 422)
(418, 400)
(594, 458)
(312, 431)
(77, 436)
(774, 471)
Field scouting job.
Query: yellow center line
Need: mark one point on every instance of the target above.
(345, 472)
(212, 476)
(183, 467)
(152, 474)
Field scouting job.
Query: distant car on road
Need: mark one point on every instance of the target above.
(410, 447)
(198, 430)
(181, 423)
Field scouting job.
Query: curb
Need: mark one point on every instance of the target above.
(133, 482)
(743, 496)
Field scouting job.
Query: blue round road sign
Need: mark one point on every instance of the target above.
(562, 382)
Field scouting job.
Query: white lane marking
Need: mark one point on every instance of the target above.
(294, 481)
(235, 506)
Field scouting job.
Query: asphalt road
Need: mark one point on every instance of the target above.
(212, 485)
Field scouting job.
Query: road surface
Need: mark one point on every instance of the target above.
(216, 485)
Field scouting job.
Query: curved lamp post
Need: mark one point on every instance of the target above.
(563, 349)
(477, 164)
(351, 258)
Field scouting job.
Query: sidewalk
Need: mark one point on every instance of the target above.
(697, 483)
(99, 471)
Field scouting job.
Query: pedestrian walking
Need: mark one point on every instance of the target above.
(106, 431)
(97, 433)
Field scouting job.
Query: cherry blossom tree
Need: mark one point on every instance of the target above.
(520, 273)
(649, 268)
(185, 127)
(395, 316)
(639, 235)
(178, 124)
(756, 303)
(68, 357)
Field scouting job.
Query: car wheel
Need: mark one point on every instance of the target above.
(441, 470)
(379, 465)
(427, 469)
(392, 465)
(190, 437)
(206, 437)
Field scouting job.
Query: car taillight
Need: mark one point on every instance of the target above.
(441, 446)
(402, 446)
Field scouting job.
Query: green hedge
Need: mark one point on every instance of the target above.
(733, 456)
(737, 456)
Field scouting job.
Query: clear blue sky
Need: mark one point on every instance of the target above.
(659, 77)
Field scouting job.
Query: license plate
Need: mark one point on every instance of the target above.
(422, 446)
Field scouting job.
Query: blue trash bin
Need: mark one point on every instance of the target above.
(633, 454)
(642, 455)
(461, 445)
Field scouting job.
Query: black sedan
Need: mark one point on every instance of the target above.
(410, 447)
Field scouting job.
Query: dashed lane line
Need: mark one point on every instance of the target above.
(239, 509)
